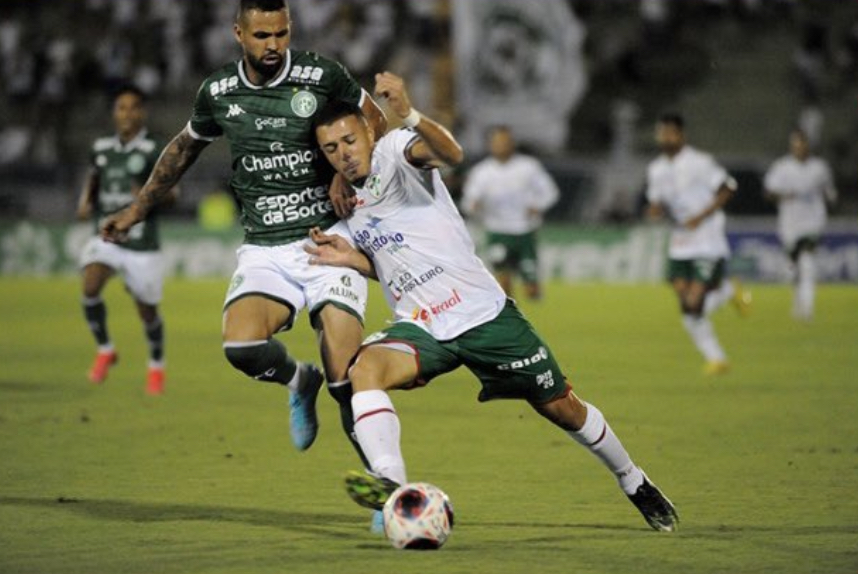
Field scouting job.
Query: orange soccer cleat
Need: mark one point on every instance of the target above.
(155, 380)
(101, 365)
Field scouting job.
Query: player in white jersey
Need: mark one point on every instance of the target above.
(801, 184)
(691, 188)
(449, 310)
(509, 192)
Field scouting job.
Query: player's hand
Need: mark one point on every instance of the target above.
(115, 228)
(329, 249)
(694, 222)
(342, 197)
(392, 87)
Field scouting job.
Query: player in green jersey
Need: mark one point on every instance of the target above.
(120, 164)
(264, 104)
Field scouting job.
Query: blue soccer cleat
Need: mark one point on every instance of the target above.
(303, 422)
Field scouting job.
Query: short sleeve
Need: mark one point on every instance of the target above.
(202, 125)
(343, 86)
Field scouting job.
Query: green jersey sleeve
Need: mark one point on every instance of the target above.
(343, 86)
(203, 124)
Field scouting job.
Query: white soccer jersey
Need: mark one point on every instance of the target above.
(686, 185)
(507, 192)
(803, 186)
(407, 223)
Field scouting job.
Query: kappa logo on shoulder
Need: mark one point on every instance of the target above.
(234, 111)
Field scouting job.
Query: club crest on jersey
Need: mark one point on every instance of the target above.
(304, 104)
(236, 282)
(135, 163)
(373, 185)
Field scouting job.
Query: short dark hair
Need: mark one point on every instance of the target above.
(672, 119)
(336, 110)
(262, 6)
(128, 89)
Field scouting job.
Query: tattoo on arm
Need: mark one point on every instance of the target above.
(174, 161)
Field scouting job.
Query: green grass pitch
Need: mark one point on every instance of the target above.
(762, 463)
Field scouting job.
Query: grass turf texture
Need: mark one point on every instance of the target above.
(762, 463)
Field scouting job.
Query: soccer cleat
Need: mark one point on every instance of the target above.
(715, 368)
(657, 509)
(742, 298)
(303, 422)
(101, 365)
(368, 490)
(376, 525)
(155, 377)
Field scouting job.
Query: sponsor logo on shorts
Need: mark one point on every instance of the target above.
(344, 293)
(540, 355)
(426, 314)
(235, 283)
(346, 280)
(545, 380)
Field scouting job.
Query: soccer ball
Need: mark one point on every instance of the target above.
(418, 516)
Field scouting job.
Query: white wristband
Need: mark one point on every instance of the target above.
(412, 119)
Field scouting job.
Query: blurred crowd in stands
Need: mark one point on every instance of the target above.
(60, 58)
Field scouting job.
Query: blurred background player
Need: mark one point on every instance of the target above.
(508, 193)
(120, 165)
(801, 184)
(449, 311)
(692, 189)
(264, 105)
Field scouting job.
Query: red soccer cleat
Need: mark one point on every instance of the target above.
(101, 365)
(155, 381)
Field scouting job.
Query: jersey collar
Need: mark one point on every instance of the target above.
(276, 81)
(133, 142)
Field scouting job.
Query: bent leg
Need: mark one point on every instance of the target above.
(248, 326)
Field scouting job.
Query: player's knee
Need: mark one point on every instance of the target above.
(249, 359)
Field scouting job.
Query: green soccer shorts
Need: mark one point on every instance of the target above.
(514, 253)
(710, 272)
(506, 354)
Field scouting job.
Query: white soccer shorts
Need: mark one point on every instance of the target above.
(141, 271)
(283, 273)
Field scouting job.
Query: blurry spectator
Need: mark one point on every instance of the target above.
(356, 32)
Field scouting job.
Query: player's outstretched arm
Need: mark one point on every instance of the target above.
(436, 146)
(88, 193)
(335, 251)
(174, 161)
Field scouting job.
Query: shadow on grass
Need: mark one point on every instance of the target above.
(142, 512)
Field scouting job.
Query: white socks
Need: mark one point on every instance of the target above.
(377, 431)
(805, 287)
(703, 335)
(717, 297)
(597, 436)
